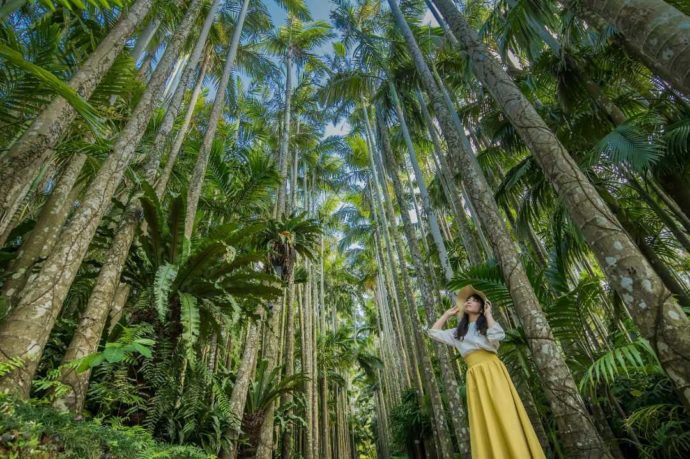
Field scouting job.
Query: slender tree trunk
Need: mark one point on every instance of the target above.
(656, 312)
(92, 322)
(285, 135)
(459, 417)
(145, 38)
(182, 133)
(307, 370)
(42, 238)
(145, 68)
(665, 217)
(196, 182)
(655, 31)
(289, 370)
(378, 191)
(671, 203)
(272, 349)
(238, 398)
(452, 193)
(25, 331)
(325, 421)
(389, 218)
(421, 183)
(314, 366)
(676, 186)
(575, 425)
(19, 165)
(118, 306)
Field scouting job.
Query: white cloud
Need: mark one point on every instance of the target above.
(342, 128)
(429, 19)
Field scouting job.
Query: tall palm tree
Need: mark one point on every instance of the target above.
(21, 335)
(285, 238)
(654, 31)
(19, 165)
(197, 179)
(92, 324)
(296, 43)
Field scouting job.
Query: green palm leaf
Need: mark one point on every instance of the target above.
(619, 361)
(61, 88)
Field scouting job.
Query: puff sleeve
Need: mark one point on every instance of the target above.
(495, 334)
(442, 336)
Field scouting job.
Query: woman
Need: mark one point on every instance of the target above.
(499, 426)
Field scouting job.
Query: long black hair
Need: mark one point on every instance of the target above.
(464, 324)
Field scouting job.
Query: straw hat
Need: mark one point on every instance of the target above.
(468, 291)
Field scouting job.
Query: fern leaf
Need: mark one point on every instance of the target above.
(190, 320)
(161, 289)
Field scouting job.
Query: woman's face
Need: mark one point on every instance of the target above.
(473, 305)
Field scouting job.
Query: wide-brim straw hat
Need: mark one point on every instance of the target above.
(468, 291)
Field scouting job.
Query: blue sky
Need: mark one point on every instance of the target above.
(320, 9)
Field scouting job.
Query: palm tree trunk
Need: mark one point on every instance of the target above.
(325, 421)
(145, 38)
(656, 312)
(314, 365)
(388, 217)
(42, 238)
(396, 330)
(378, 190)
(655, 31)
(671, 203)
(289, 360)
(238, 398)
(271, 351)
(421, 183)
(25, 331)
(19, 165)
(459, 418)
(575, 425)
(94, 317)
(285, 135)
(196, 182)
(118, 306)
(307, 370)
(452, 193)
(676, 186)
(145, 67)
(181, 135)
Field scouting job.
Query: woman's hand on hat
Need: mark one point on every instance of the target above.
(488, 309)
(452, 311)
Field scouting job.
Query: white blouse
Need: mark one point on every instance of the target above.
(472, 341)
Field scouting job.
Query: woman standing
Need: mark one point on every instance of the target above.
(499, 426)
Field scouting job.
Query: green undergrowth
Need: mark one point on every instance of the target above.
(35, 430)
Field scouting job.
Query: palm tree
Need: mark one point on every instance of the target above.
(240, 389)
(21, 335)
(197, 179)
(654, 32)
(36, 144)
(296, 43)
(284, 240)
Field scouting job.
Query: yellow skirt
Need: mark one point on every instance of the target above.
(499, 426)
